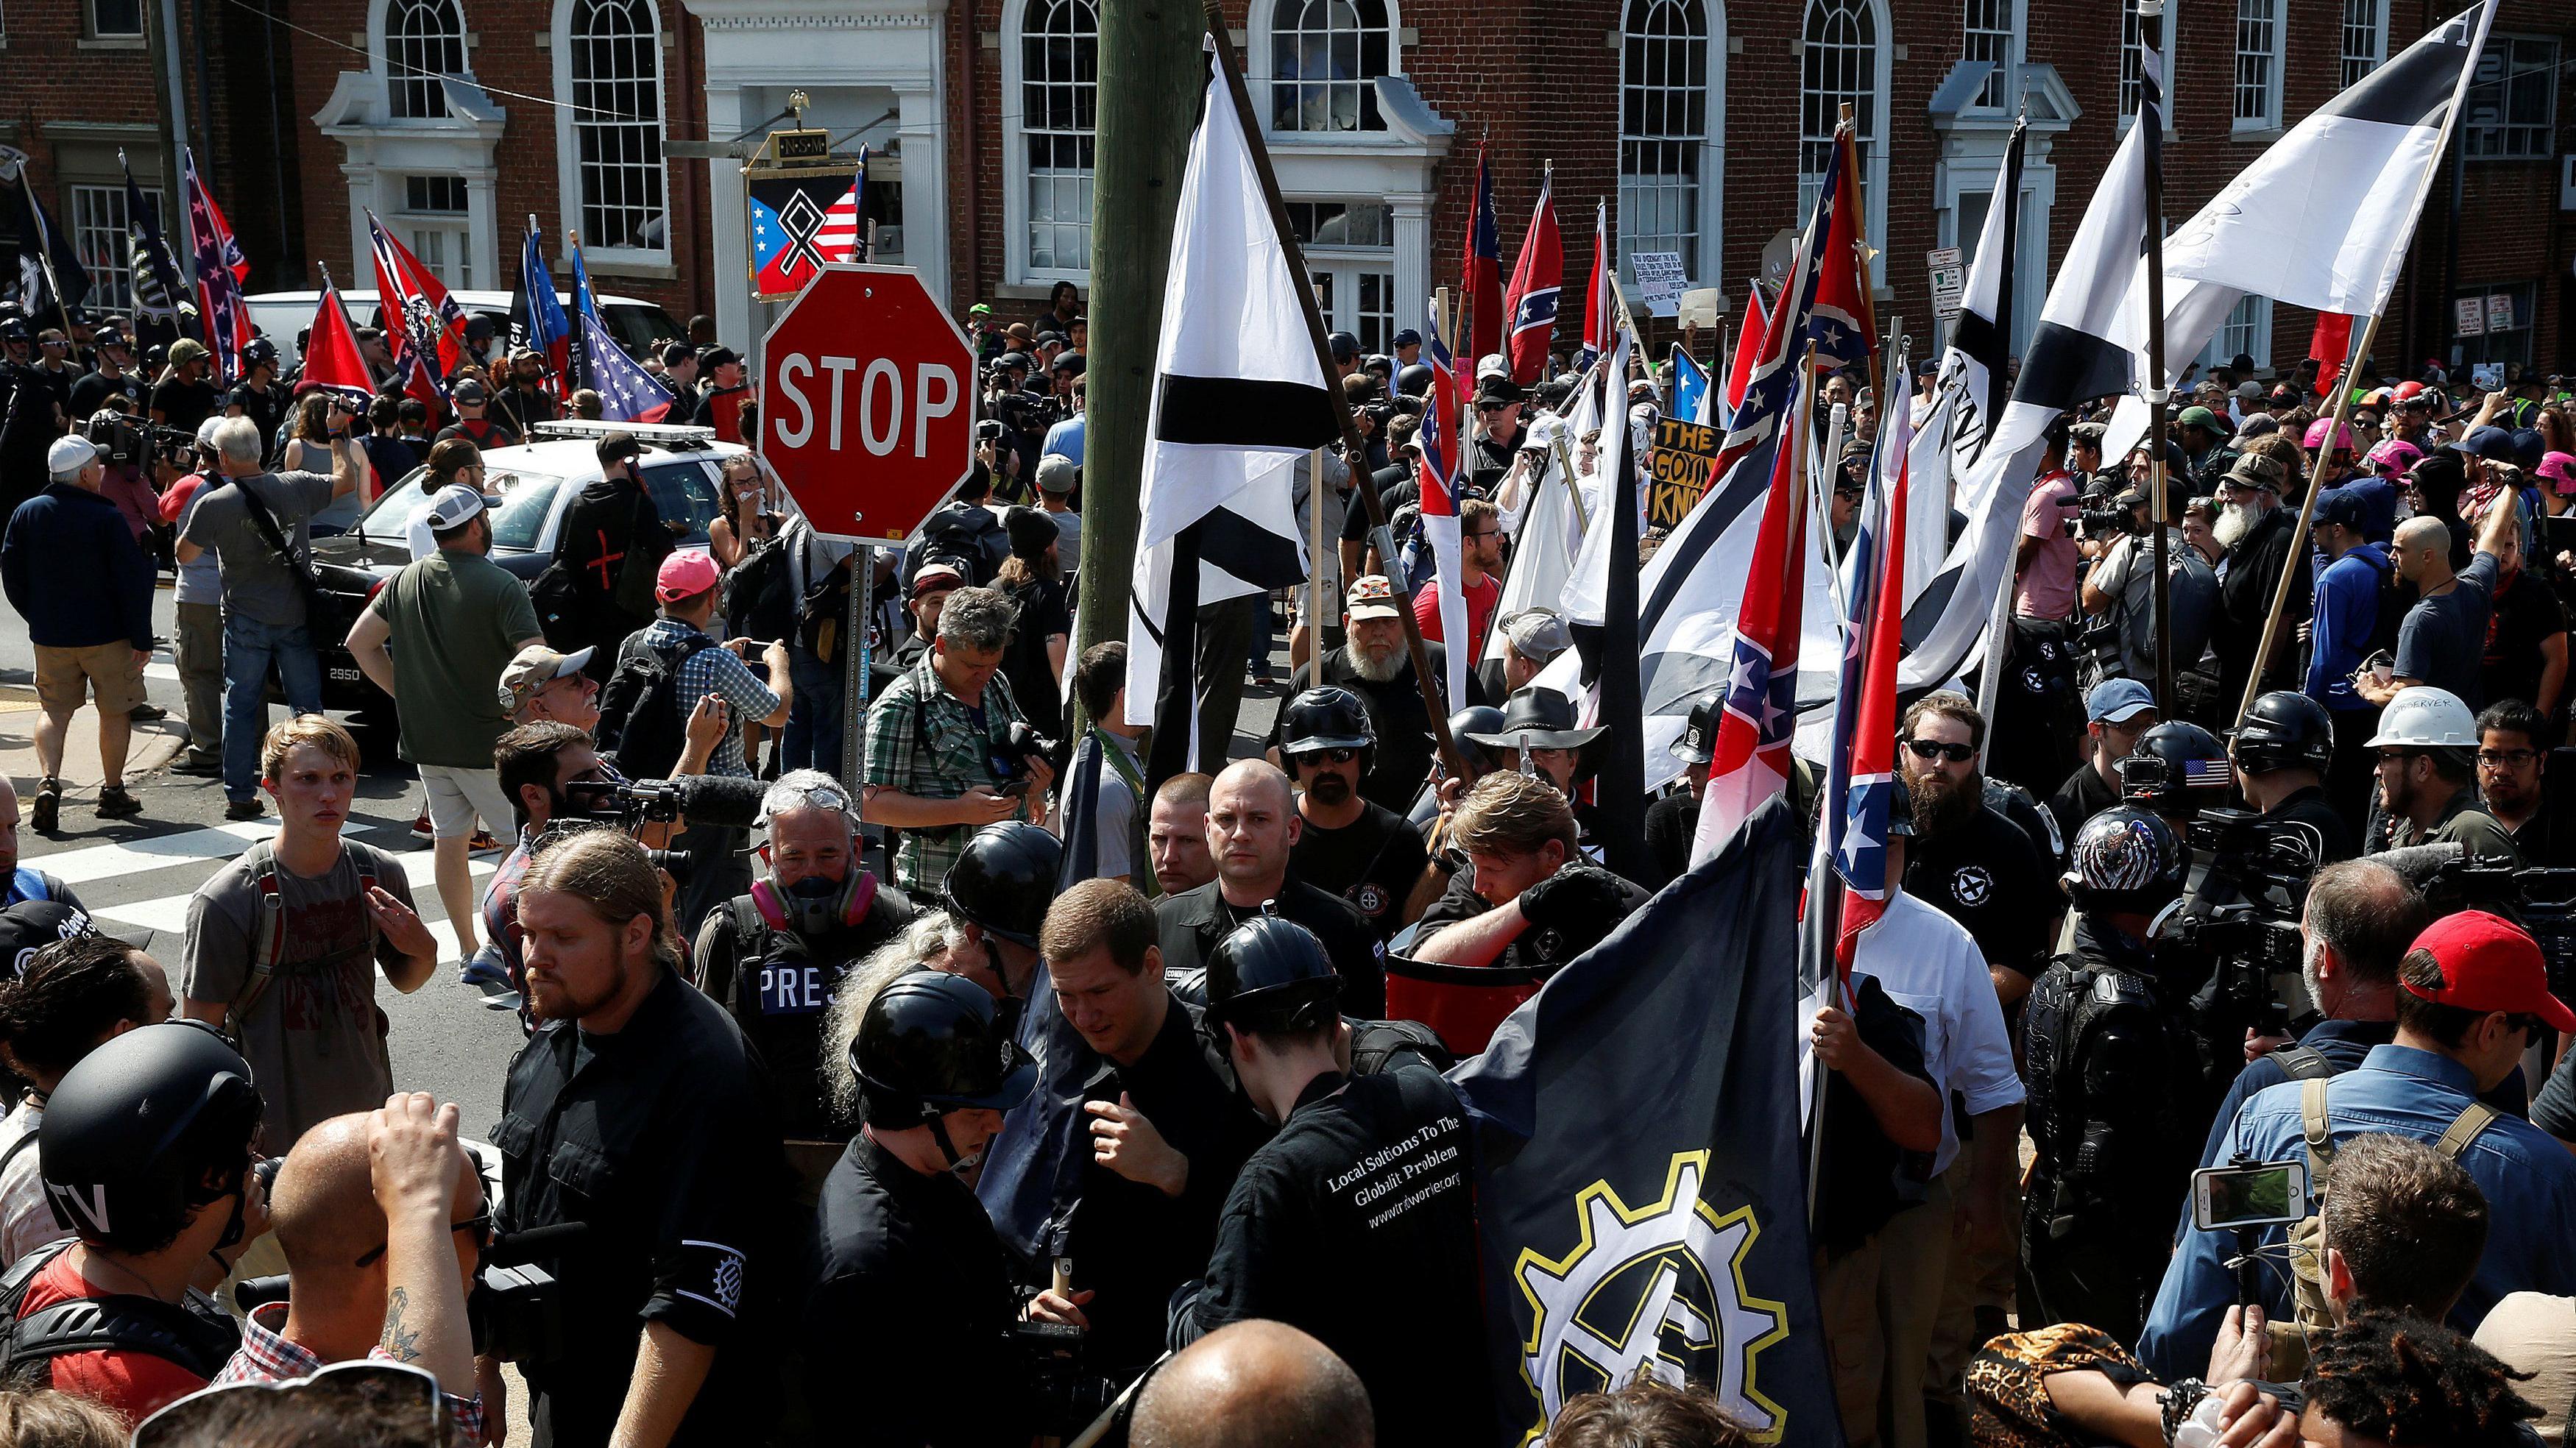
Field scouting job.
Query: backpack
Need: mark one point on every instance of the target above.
(195, 1335)
(953, 534)
(268, 936)
(760, 599)
(823, 615)
(2312, 1312)
(2072, 1000)
(641, 722)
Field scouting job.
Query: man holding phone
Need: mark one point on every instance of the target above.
(939, 763)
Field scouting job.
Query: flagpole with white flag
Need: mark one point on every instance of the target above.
(2151, 122)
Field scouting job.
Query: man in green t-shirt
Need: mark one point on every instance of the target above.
(452, 622)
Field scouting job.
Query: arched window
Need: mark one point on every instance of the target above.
(1663, 129)
(1324, 54)
(1841, 62)
(1059, 107)
(424, 40)
(614, 53)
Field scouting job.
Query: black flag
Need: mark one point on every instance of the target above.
(1640, 1183)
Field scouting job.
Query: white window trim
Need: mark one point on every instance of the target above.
(1015, 166)
(1874, 168)
(2500, 43)
(377, 58)
(2270, 120)
(1700, 270)
(568, 152)
(1258, 49)
(2018, 51)
(2173, 68)
(90, 30)
(2216, 354)
(2379, 39)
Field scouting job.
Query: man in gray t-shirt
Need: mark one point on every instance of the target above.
(263, 599)
(2443, 638)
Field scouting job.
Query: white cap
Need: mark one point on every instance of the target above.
(452, 505)
(69, 454)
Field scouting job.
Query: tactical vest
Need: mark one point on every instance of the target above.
(2068, 1008)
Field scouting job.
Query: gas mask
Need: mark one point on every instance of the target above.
(815, 907)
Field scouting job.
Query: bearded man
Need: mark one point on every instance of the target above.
(2261, 538)
(1373, 664)
(1966, 860)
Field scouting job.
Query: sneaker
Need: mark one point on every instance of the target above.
(48, 808)
(203, 768)
(146, 713)
(420, 827)
(243, 809)
(482, 841)
(115, 802)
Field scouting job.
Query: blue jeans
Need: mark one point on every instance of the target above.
(813, 736)
(249, 648)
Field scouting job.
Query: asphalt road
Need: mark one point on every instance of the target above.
(136, 875)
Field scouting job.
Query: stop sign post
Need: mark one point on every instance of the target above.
(867, 415)
(867, 408)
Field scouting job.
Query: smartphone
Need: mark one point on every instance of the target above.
(2260, 1194)
(1015, 788)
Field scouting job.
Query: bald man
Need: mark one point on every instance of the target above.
(1251, 827)
(382, 1219)
(2443, 639)
(1252, 1384)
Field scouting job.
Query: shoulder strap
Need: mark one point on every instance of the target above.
(16, 1150)
(122, 1322)
(267, 934)
(13, 1283)
(2316, 1127)
(2303, 1063)
(2464, 1129)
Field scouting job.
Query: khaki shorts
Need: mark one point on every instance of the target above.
(457, 795)
(110, 672)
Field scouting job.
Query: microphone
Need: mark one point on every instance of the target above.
(719, 799)
(536, 1244)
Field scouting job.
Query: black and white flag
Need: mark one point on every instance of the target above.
(1239, 400)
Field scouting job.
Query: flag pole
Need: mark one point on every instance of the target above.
(2151, 22)
(45, 252)
(1420, 656)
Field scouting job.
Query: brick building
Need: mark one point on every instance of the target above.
(1696, 121)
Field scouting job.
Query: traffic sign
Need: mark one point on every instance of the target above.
(1949, 280)
(867, 402)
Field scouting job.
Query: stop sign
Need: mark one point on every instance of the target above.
(867, 401)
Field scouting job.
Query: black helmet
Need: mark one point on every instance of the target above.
(2172, 759)
(256, 351)
(1271, 975)
(132, 1131)
(2126, 858)
(1698, 744)
(2284, 730)
(1477, 719)
(1325, 718)
(1004, 879)
(1413, 380)
(933, 1043)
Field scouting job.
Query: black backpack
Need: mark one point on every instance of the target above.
(194, 1335)
(968, 536)
(760, 595)
(641, 722)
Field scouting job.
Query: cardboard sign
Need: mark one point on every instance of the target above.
(1949, 280)
(1677, 469)
(1659, 280)
(2469, 317)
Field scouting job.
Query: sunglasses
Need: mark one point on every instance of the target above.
(1328, 756)
(1935, 749)
(480, 1224)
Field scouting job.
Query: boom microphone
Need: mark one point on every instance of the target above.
(719, 799)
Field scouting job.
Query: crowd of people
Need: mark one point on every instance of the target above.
(2204, 1073)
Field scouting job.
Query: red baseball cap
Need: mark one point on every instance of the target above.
(684, 575)
(2490, 964)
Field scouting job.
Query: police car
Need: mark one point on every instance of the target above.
(527, 488)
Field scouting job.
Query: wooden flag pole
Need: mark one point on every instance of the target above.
(1450, 754)
(2307, 517)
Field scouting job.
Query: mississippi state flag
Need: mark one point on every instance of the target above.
(1537, 278)
(1441, 457)
(1483, 273)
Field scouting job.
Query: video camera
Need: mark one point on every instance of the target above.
(2540, 899)
(124, 440)
(634, 804)
(1066, 1394)
(2244, 915)
(516, 1307)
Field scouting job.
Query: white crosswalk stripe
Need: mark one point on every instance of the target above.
(170, 912)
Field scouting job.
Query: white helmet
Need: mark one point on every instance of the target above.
(2423, 717)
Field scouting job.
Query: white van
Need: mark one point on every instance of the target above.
(281, 315)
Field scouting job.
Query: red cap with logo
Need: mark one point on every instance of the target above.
(2490, 964)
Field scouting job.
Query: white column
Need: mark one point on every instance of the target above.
(925, 188)
(734, 320)
(1412, 257)
(483, 230)
(361, 173)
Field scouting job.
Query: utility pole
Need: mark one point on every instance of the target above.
(2152, 69)
(1152, 74)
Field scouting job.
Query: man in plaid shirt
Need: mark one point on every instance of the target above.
(939, 764)
(687, 588)
(377, 1255)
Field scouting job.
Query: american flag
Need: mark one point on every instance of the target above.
(626, 391)
(1483, 273)
(221, 268)
(843, 236)
(1538, 278)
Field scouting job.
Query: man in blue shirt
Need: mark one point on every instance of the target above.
(2346, 624)
(2471, 995)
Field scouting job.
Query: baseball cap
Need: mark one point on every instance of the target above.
(2249, 389)
(1056, 473)
(31, 925)
(535, 667)
(187, 349)
(69, 454)
(468, 392)
(1539, 633)
(2254, 470)
(684, 575)
(2492, 443)
(2342, 506)
(1407, 338)
(2488, 963)
(452, 505)
(1371, 596)
(2202, 417)
(1031, 532)
(979, 310)
(2261, 424)
(936, 574)
(2117, 701)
